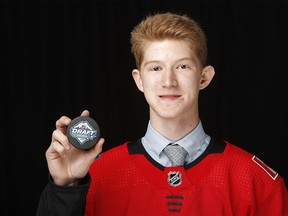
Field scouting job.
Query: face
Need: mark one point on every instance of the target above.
(170, 78)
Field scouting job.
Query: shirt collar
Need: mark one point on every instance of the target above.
(191, 142)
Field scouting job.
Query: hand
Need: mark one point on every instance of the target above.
(66, 163)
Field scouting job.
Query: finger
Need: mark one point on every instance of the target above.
(58, 136)
(61, 124)
(57, 148)
(85, 113)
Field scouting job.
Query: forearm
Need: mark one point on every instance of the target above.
(63, 200)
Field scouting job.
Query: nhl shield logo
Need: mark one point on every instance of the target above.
(174, 178)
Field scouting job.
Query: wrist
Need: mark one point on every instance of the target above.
(63, 182)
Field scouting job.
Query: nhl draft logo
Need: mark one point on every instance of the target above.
(174, 178)
(83, 132)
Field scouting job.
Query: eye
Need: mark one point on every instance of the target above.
(183, 66)
(156, 68)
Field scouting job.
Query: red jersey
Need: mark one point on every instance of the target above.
(224, 180)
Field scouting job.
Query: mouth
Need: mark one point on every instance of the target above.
(169, 97)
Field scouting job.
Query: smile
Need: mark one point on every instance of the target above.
(169, 97)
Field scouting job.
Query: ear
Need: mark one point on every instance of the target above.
(207, 75)
(138, 79)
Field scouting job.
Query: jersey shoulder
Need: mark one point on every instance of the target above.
(248, 162)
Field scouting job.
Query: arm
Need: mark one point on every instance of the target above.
(63, 200)
(68, 166)
(276, 203)
(66, 163)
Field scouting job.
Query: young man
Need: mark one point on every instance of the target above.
(138, 178)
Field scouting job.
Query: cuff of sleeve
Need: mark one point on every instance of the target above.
(82, 183)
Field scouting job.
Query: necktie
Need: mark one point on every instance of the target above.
(176, 154)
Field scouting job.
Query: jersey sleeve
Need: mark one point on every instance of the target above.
(276, 203)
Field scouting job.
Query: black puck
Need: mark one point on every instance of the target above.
(83, 132)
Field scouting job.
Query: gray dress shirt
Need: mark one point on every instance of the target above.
(195, 144)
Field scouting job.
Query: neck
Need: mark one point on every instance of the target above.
(174, 129)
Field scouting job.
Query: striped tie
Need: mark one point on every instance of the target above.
(176, 154)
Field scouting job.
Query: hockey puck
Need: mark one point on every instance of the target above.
(83, 132)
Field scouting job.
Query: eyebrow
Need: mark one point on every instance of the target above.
(179, 60)
(149, 62)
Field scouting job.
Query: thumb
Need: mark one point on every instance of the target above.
(96, 150)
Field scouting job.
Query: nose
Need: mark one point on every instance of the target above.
(168, 79)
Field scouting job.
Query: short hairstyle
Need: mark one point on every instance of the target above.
(168, 25)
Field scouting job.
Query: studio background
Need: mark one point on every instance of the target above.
(61, 57)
